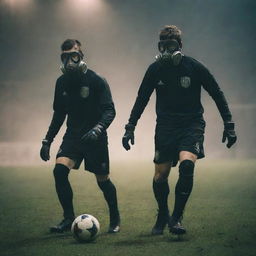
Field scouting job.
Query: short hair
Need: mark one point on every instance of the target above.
(69, 44)
(171, 32)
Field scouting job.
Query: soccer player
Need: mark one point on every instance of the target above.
(179, 135)
(85, 98)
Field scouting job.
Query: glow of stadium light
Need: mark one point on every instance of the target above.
(17, 3)
(84, 8)
(85, 3)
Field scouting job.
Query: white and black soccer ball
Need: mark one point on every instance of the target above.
(85, 228)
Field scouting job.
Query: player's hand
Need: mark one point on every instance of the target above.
(229, 134)
(93, 134)
(128, 136)
(45, 150)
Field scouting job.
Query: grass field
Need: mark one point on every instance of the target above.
(220, 217)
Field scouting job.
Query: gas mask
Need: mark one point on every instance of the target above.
(170, 52)
(72, 63)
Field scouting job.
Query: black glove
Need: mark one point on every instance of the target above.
(45, 150)
(128, 136)
(93, 134)
(229, 134)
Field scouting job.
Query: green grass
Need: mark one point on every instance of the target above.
(220, 216)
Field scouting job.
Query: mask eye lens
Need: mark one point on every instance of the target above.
(172, 45)
(75, 57)
(161, 47)
(64, 57)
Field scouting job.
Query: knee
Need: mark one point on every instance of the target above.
(60, 172)
(186, 169)
(160, 178)
(106, 185)
(102, 178)
(162, 172)
(66, 162)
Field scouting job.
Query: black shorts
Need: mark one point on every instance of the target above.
(94, 154)
(170, 140)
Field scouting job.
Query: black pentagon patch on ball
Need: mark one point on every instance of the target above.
(84, 216)
(93, 230)
(77, 231)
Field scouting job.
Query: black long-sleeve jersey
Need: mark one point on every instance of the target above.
(85, 101)
(178, 92)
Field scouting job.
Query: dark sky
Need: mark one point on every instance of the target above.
(120, 40)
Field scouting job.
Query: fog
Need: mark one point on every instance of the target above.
(119, 39)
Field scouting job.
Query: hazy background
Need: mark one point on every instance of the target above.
(119, 38)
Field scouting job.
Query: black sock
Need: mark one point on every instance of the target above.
(64, 190)
(161, 192)
(109, 191)
(183, 187)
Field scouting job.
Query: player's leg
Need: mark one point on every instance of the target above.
(64, 192)
(110, 195)
(161, 192)
(182, 190)
(97, 161)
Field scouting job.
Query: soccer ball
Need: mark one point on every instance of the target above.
(85, 228)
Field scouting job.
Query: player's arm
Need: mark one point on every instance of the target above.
(107, 109)
(58, 118)
(146, 88)
(211, 86)
(106, 105)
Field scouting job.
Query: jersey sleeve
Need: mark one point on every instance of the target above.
(55, 125)
(211, 86)
(106, 104)
(58, 116)
(58, 102)
(146, 88)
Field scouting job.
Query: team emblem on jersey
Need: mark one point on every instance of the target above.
(84, 92)
(185, 81)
